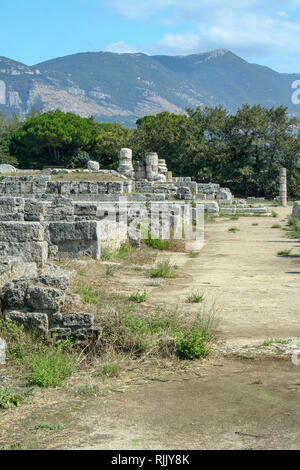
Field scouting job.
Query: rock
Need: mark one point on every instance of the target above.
(4, 168)
(58, 281)
(78, 320)
(37, 322)
(3, 348)
(93, 166)
(44, 298)
(14, 294)
(159, 178)
(296, 209)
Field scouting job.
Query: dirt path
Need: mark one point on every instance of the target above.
(257, 292)
(217, 403)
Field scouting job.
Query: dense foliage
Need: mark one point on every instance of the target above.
(243, 151)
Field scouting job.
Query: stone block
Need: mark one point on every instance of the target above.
(83, 320)
(29, 320)
(21, 232)
(44, 298)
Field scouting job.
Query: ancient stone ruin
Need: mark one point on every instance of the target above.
(44, 216)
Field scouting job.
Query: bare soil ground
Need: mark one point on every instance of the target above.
(232, 402)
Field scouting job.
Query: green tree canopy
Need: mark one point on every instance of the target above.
(52, 138)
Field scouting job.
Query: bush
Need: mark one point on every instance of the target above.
(191, 345)
(50, 367)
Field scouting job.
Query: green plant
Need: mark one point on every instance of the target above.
(195, 297)
(109, 370)
(49, 367)
(233, 229)
(164, 269)
(255, 224)
(194, 254)
(157, 243)
(9, 398)
(48, 426)
(106, 253)
(192, 344)
(276, 226)
(274, 214)
(138, 296)
(284, 252)
(270, 341)
(234, 217)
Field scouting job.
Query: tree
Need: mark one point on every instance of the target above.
(7, 128)
(52, 138)
(111, 137)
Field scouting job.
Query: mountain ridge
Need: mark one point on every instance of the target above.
(121, 87)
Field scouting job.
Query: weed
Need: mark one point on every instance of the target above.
(9, 398)
(48, 426)
(233, 229)
(87, 391)
(276, 226)
(284, 252)
(257, 382)
(164, 268)
(192, 345)
(50, 367)
(274, 214)
(157, 243)
(138, 296)
(195, 297)
(154, 284)
(106, 254)
(194, 254)
(110, 370)
(255, 224)
(270, 341)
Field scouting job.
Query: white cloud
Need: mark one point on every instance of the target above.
(257, 30)
(121, 47)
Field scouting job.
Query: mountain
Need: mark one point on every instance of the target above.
(123, 87)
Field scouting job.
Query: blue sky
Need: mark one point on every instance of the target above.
(262, 31)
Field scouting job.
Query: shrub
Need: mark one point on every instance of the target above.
(138, 296)
(191, 345)
(50, 367)
(9, 398)
(164, 269)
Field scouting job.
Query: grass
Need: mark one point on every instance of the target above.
(138, 296)
(284, 253)
(164, 269)
(194, 254)
(44, 363)
(110, 370)
(162, 332)
(106, 253)
(270, 341)
(87, 391)
(154, 284)
(195, 297)
(274, 214)
(49, 369)
(157, 243)
(276, 226)
(294, 224)
(233, 230)
(255, 224)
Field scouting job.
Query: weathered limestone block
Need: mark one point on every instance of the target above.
(44, 298)
(14, 294)
(76, 239)
(93, 166)
(139, 170)
(11, 205)
(102, 187)
(184, 193)
(224, 193)
(115, 187)
(125, 166)
(34, 321)
(60, 209)
(211, 207)
(13, 217)
(3, 348)
(78, 320)
(151, 165)
(159, 178)
(61, 332)
(32, 252)
(34, 211)
(58, 281)
(21, 232)
(296, 209)
(4, 168)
